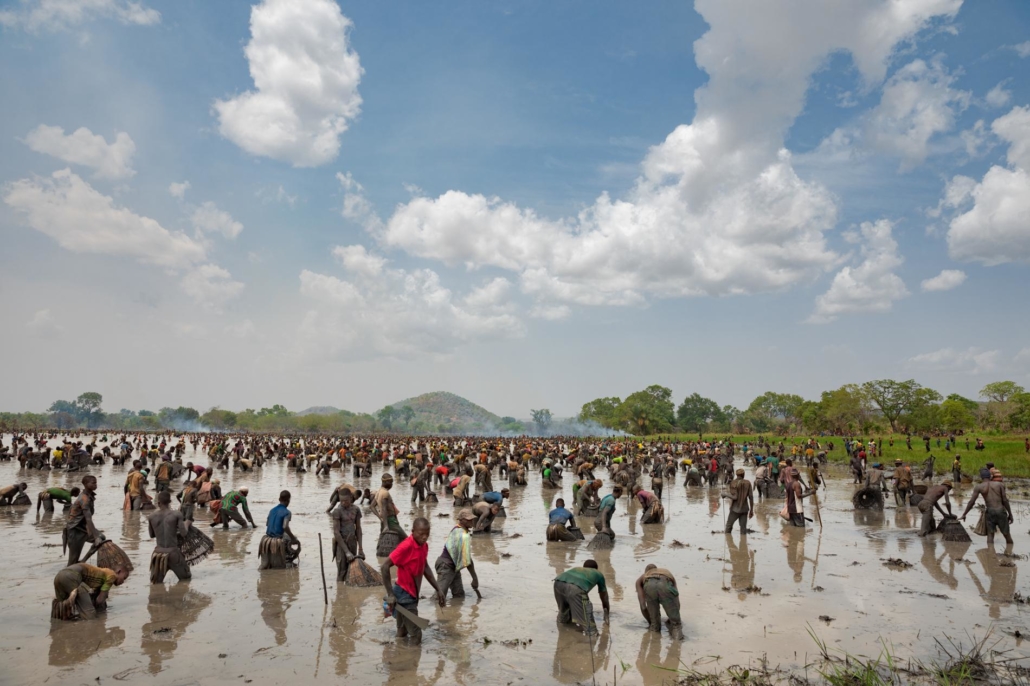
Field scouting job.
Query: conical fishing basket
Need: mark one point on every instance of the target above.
(196, 546)
(602, 541)
(577, 532)
(361, 574)
(952, 530)
(868, 499)
(981, 524)
(110, 556)
(63, 609)
(388, 540)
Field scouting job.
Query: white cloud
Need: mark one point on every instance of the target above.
(998, 96)
(210, 286)
(379, 311)
(1022, 49)
(356, 205)
(917, 103)
(54, 15)
(209, 219)
(244, 329)
(178, 190)
(44, 325)
(995, 229)
(976, 139)
(81, 219)
(269, 195)
(872, 285)
(83, 147)
(550, 312)
(969, 361)
(718, 208)
(306, 77)
(945, 281)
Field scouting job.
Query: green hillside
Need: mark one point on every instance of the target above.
(318, 409)
(446, 412)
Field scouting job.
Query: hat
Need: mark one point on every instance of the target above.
(740, 472)
(948, 484)
(387, 478)
(465, 514)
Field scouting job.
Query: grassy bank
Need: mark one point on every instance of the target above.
(1008, 453)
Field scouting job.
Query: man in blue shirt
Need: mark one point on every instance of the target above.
(558, 521)
(603, 523)
(279, 548)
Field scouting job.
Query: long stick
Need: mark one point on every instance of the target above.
(321, 563)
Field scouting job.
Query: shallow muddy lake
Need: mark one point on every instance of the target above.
(744, 599)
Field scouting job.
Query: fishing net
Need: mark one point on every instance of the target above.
(110, 556)
(273, 552)
(64, 609)
(575, 531)
(981, 524)
(196, 546)
(388, 540)
(868, 499)
(952, 530)
(602, 541)
(22, 499)
(361, 574)
(158, 567)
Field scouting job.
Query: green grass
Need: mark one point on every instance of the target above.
(1008, 453)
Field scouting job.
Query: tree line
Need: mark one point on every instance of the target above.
(881, 405)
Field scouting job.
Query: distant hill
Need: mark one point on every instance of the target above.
(442, 411)
(319, 409)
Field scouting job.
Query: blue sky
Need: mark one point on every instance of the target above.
(529, 204)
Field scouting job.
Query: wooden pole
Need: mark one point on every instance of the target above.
(321, 563)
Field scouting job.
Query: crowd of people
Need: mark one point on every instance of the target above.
(462, 470)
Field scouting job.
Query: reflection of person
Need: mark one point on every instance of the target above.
(743, 565)
(654, 669)
(1002, 579)
(277, 590)
(934, 563)
(72, 643)
(572, 662)
(172, 610)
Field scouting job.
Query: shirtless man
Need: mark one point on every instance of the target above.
(79, 527)
(14, 494)
(999, 512)
(167, 525)
(929, 502)
(485, 513)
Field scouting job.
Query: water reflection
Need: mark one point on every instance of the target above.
(75, 642)
(578, 656)
(655, 669)
(344, 630)
(231, 546)
(949, 553)
(742, 561)
(1001, 575)
(277, 590)
(172, 610)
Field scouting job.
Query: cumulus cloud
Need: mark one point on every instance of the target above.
(945, 281)
(55, 15)
(718, 208)
(991, 218)
(209, 219)
(1022, 49)
(83, 147)
(306, 84)
(210, 286)
(356, 205)
(998, 96)
(917, 103)
(870, 286)
(43, 324)
(381, 311)
(178, 190)
(81, 219)
(969, 361)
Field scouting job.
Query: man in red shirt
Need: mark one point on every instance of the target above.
(410, 558)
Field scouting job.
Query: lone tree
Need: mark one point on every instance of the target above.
(386, 416)
(1001, 391)
(407, 414)
(893, 398)
(696, 411)
(542, 419)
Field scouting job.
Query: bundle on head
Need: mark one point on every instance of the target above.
(110, 556)
(868, 498)
(952, 530)
(602, 541)
(361, 574)
(196, 546)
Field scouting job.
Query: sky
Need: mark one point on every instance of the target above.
(530, 204)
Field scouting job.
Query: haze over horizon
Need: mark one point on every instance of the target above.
(529, 205)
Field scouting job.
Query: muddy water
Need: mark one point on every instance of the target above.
(232, 623)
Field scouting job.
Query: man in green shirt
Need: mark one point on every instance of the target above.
(571, 592)
(47, 497)
(85, 587)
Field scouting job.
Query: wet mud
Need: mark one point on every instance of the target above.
(744, 598)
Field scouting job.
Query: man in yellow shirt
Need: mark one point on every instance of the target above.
(85, 587)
